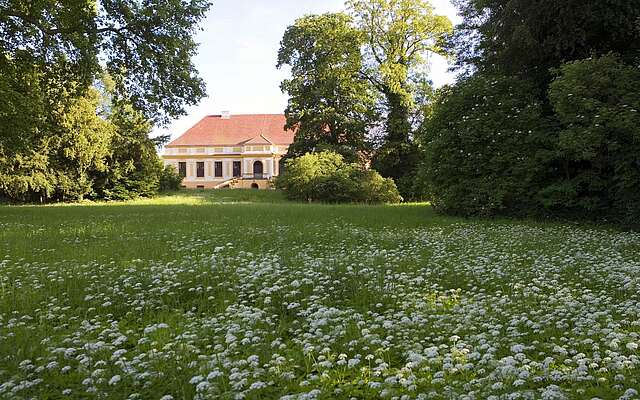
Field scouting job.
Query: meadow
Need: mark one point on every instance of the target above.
(242, 295)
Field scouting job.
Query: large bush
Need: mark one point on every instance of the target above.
(327, 177)
(484, 148)
(133, 166)
(87, 146)
(597, 103)
(399, 161)
(491, 148)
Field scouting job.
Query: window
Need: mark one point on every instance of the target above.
(200, 169)
(237, 150)
(182, 169)
(200, 150)
(218, 169)
(218, 149)
(237, 169)
(182, 151)
(200, 187)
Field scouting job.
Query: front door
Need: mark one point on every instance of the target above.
(258, 170)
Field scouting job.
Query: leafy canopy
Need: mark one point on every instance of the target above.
(363, 76)
(529, 37)
(145, 45)
(597, 103)
(484, 147)
(400, 35)
(329, 105)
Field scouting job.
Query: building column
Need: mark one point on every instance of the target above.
(267, 166)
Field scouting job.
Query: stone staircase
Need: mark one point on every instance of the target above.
(229, 182)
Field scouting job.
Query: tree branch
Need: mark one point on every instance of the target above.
(57, 31)
(375, 82)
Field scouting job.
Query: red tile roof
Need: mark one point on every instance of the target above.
(213, 130)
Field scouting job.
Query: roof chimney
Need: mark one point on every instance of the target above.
(226, 115)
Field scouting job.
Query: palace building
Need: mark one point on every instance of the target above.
(235, 151)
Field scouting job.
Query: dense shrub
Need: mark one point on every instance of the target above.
(71, 145)
(484, 147)
(399, 161)
(133, 168)
(491, 148)
(597, 102)
(170, 180)
(327, 177)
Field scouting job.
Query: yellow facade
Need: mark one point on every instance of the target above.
(214, 167)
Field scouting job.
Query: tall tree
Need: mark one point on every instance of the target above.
(52, 140)
(23, 168)
(145, 45)
(400, 35)
(133, 166)
(329, 104)
(527, 38)
(546, 119)
(51, 154)
(597, 103)
(80, 144)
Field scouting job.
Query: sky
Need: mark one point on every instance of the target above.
(238, 51)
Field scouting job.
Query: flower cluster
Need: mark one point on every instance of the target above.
(466, 311)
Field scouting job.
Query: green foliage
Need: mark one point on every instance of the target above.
(489, 149)
(146, 46)
(330, 106)
(485, 147)
(71, 150)
(530, 37)
(59, 140)
(58, 148)
(134, 168)
(24, 164)
(328, 178)
(597, 102)
(568, 147)
(82, 145)
(399, 161)
(169, 180)
(345, 67)
(400, 35)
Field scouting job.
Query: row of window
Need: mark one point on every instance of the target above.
(202, 150)
(217, 169)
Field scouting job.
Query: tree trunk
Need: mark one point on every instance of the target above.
(397, 124)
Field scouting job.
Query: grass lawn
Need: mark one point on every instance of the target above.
(239, 294)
